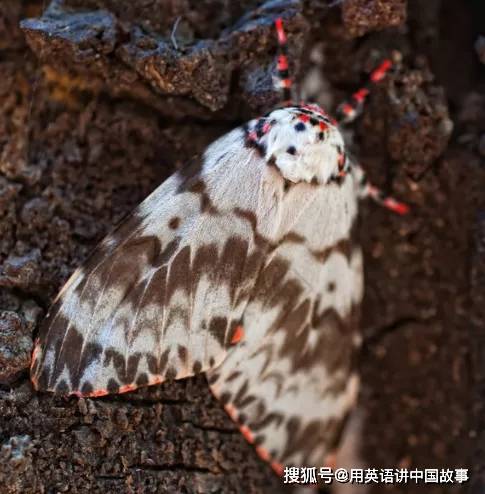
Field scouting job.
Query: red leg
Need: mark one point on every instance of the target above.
(351, 109)
(366, 189)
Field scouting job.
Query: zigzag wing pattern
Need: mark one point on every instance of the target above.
(291, 382)
(162, 295)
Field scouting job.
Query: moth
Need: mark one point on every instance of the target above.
(247, 270)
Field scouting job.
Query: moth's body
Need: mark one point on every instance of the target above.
(260, 237)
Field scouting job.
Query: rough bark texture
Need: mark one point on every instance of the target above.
(99, 105)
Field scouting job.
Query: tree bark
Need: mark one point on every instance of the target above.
(101, 100)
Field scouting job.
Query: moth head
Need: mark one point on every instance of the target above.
(302, 142)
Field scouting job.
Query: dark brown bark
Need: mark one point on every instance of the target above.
(97, 107)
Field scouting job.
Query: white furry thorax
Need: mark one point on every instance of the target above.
(303, 143)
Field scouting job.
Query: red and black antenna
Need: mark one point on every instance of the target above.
(283, 79)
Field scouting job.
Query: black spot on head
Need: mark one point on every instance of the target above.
(321, 136)
(291, 150)
(197, 367)
(300, 127)
(331, 286)
(113, 386)
(313, 121)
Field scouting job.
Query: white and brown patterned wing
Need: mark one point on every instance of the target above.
(162, 295)
(291, 381)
